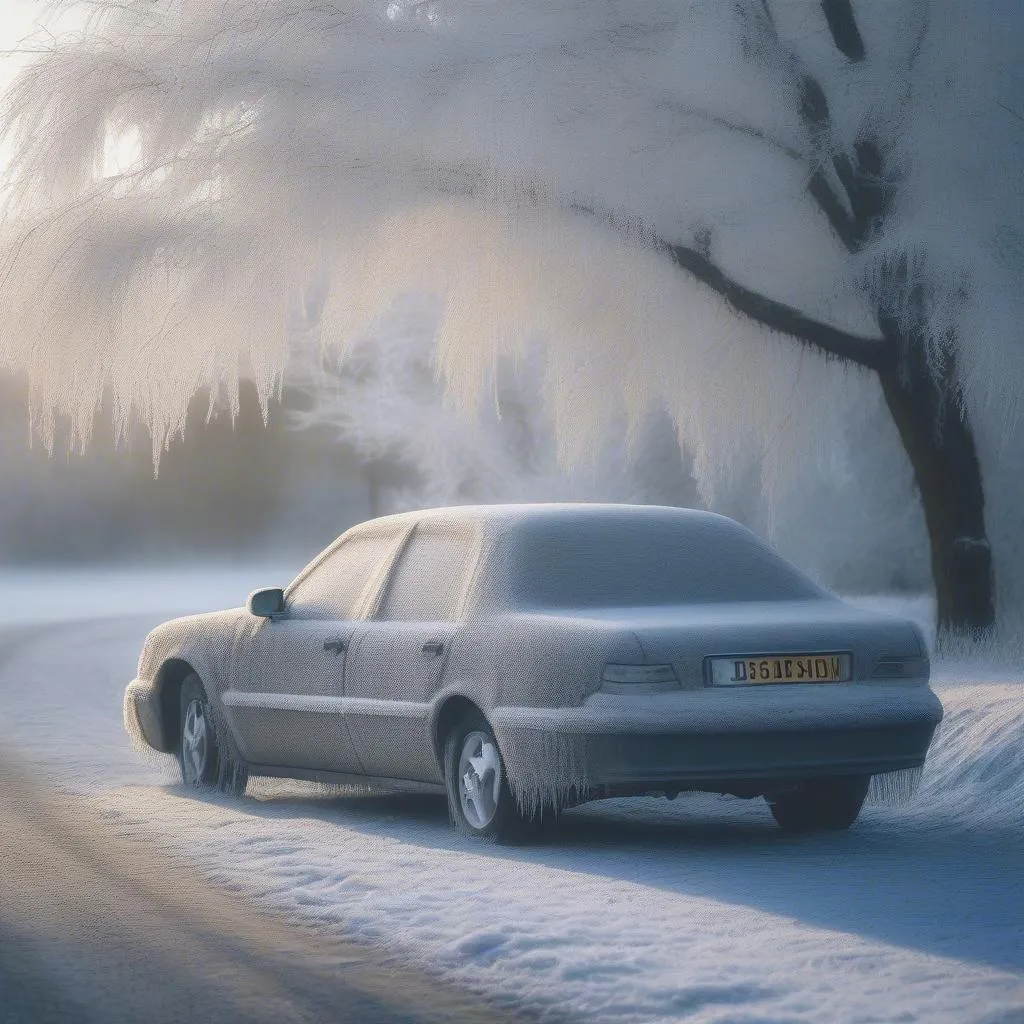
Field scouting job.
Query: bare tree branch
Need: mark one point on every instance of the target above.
(861, 176)
(843, 26)
(871, 353)
(1010, 110)
(818, 185)
(828, 202)
(717, 121)
(815, 114)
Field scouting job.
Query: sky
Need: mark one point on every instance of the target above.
(16, 22)
(17, 19)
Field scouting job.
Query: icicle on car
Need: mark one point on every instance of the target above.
(525, 658)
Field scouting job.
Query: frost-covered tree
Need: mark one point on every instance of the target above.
(764, 216)
(384, 400)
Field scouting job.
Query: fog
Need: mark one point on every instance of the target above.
(227, 490)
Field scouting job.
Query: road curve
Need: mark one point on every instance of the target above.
(95, 927)
(99, 927)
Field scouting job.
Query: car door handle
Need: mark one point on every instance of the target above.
(337, 645)
(434, 647)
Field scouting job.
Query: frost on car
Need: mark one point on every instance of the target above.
(525, 658)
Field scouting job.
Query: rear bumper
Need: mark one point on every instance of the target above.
(713, 739)
(142, 718)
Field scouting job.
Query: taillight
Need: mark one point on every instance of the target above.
(893, 667)
(638, 678)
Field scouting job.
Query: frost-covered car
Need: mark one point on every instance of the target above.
(525, 658)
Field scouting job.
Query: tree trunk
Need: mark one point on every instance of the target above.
(936, 433)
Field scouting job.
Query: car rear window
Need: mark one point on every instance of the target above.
(648, 561)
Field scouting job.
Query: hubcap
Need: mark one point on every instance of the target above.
(479, 779)
(195, 742)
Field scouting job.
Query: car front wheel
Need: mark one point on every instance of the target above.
(205, 762)
(821, 804)
(480, 800)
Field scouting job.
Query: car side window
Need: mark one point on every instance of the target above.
(428, 581)
(335, 588)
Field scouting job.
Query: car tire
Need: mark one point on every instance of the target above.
(821, 804)
(232, 774)
(205, 760)
(480, 801)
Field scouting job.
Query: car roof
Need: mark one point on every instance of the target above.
(491, 518)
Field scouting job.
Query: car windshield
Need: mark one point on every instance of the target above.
(649, 561)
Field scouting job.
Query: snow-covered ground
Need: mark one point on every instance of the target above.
(55, 595)
(694, 910)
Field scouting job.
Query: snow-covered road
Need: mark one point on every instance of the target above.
(695, 910)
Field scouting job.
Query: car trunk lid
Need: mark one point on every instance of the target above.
(687, 637)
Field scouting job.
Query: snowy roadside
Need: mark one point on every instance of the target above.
(630, 915)
(66, 595)
(696, 910)
(656, 911)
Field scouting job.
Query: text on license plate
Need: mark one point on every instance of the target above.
(780, 668)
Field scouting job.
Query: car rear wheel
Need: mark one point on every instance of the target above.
(821, 804)
(480, 801)
(205, 762)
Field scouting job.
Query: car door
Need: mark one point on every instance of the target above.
(287, 697)
(399, 655)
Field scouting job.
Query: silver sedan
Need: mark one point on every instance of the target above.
(526, 658)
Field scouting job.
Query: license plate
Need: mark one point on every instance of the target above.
(762, 669)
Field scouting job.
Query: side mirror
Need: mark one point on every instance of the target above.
(266, 603)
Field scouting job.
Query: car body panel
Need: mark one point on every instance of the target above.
(692, 738)
(391, 686)
(284, 703)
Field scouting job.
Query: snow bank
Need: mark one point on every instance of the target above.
(975, 769)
